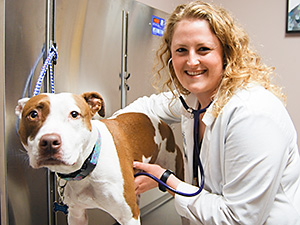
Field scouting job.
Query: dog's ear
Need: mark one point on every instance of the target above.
(19, 108)
(95, 102)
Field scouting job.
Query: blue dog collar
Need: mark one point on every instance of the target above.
(88, 165)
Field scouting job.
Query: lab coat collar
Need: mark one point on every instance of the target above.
(192, 101)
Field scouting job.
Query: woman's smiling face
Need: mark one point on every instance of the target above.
(197, 58)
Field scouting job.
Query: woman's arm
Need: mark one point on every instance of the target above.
(144, 183)
(251, 166)
(162, 105)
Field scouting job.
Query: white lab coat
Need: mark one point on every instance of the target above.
(250, 158)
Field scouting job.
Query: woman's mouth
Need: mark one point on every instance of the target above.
(195, 73)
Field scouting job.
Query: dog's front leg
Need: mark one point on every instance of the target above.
(77, 216)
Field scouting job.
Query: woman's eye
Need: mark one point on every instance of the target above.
(204, 49)
(181, 50)
(75, 114)
(33, 115)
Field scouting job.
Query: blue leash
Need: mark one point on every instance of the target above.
(52, 57)
(48, 63)
(27, 87)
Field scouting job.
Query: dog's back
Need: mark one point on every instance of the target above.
(151, 141)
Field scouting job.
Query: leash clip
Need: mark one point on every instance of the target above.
(55, 56)
(60, 206)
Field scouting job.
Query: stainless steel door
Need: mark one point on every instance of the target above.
(3, 186)
(89, 39)
(24, 38)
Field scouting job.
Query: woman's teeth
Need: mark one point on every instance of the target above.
(195, 73)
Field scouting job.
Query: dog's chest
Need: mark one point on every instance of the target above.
(79, 192)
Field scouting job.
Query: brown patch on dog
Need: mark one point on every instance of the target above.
(167, 133)
(137, 128)
(85, 110)
(89, 104)
(95, 102)
(179, 164)
(34, 114)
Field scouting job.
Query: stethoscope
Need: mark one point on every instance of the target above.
(196, 114)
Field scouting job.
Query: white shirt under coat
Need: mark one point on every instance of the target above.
(249, 155)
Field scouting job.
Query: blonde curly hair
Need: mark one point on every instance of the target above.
(241, 64)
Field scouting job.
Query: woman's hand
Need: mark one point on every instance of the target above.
(144, 183)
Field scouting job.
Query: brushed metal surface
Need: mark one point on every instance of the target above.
(88, 35)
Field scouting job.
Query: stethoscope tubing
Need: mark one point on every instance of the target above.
(172, 189)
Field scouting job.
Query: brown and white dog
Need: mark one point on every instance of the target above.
(96, 157)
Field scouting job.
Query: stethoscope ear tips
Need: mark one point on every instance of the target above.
(169, 61)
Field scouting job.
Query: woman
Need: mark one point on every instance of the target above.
(248, 142)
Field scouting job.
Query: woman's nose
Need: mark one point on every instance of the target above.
(193, 59)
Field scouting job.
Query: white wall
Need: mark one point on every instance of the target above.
(265, 23)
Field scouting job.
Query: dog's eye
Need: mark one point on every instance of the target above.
(33, 115)
(75, 114)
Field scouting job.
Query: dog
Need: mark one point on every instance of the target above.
(94, 156)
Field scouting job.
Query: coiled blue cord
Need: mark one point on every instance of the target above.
(48, 63)
(28, 84)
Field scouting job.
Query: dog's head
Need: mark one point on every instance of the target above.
(55, 129)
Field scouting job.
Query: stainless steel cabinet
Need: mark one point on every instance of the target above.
(89, 35)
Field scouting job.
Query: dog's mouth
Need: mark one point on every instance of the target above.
(51, 161)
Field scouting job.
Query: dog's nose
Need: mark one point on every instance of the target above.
(50, 142)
